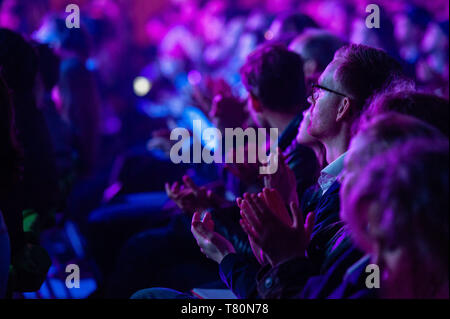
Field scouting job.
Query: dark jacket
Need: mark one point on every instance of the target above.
(284, 280)
(341, 276)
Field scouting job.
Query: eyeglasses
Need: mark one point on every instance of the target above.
(315, 92)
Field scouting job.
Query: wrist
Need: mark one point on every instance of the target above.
(222, 256)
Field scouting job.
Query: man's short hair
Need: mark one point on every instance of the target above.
(429, 108)
(410, 185)
(365, 71)
(274, 75)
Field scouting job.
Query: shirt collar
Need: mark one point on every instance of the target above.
(331, 173)
(335, 167)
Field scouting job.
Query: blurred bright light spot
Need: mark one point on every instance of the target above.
(194, 77)
(141, 86)
(268, 35)
(112, 191)
(91, 64)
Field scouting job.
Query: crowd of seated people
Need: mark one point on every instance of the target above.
(361, 177)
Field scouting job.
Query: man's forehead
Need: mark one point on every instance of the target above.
(327, 75)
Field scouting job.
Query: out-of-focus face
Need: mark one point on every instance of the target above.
(392, 260)
(403, 28)
(275, 30)
(324, 105)
(303, 136)
(432, 67)
(358, 34)
(156, 30)
(362, 35)
(433, 39)
(8, 15)
(309, 65)
(396, 268)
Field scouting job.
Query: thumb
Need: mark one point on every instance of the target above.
(197, 226)
(201, 230)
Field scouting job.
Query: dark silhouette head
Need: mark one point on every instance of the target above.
(274, 76)
(19, 62)
(11, 158)
(429, 108)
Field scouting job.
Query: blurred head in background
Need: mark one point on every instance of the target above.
(274, 79)
(409, 28)
(317, 48)
(429, 108)
(289, 25)
(397, 211)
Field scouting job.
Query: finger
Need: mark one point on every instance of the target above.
(175, 187)
(196, 218)
(269, 197)
(198, 236)
(206, 217)
(196, 221)
(253, 236)
(201, 232)
(263, 211)
(256, 210)
(297, 215)
(190, 183)
(208, 221)
(239, 201)
(276, 203)
(201, 192)
(309, 225)
(248, 229)
(248, 214)
(168, 190)
(212, 197)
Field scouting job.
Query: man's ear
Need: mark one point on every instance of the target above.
(255, 103)
(344, 109)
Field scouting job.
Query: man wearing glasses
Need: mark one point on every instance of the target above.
(336, 102)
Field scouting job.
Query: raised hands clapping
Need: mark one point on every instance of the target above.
(190, 198)
(270, 227)
(211, 243)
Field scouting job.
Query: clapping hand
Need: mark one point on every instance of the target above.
(211, 243)
(283, 180)
(189, 197)
(268, 224)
